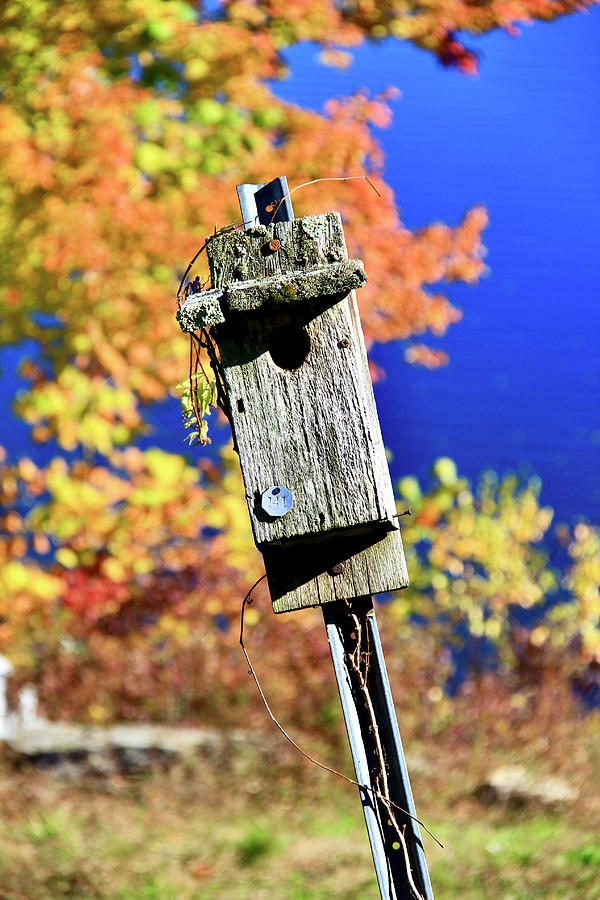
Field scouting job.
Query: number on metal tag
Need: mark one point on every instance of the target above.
(277, 500)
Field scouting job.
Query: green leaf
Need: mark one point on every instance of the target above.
(159, 30)
(185, 13)
(148, 113)
(209, 111)
(205, 394)
(150, 158)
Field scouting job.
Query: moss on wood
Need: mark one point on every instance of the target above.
(309, 242)
(334, 280)
(202, 310)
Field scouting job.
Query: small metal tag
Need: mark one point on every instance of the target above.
(277, 500)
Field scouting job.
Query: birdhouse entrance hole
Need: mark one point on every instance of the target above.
(289, 345)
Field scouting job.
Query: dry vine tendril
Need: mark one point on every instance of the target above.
(200, 390)
(382, 793)
(359, 661)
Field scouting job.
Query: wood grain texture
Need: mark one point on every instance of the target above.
(313, 429)
(304, 416)
(299, 575)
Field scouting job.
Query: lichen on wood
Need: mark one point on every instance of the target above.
(309, 242)
(206, 308)
(334, 280)
(310, 261)
(201, 310)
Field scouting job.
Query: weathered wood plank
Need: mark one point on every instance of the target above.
(202, 310)
(208, 308)
(334, 280)
(299, 575)
(313, 429)
(303, 411)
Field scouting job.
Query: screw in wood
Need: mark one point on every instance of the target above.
(271, 246)
(344, 343)
(337, 568)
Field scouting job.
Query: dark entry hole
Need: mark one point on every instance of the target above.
(289, 346)
(241, 405)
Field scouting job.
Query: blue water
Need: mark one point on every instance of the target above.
(521, 391)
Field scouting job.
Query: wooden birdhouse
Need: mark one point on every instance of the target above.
(282, 311)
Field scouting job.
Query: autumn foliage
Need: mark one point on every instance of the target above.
(124, 127)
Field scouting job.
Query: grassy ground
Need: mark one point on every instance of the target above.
(239, 831)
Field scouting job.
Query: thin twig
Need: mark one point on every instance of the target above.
(316, 181)
(185, 274)
(224, 230)
(199, 364)
(248, 599)
(192, 374)
(215, 362)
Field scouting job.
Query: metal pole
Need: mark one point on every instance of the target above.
(372, 732)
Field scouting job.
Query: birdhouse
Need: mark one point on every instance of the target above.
(282, 311)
